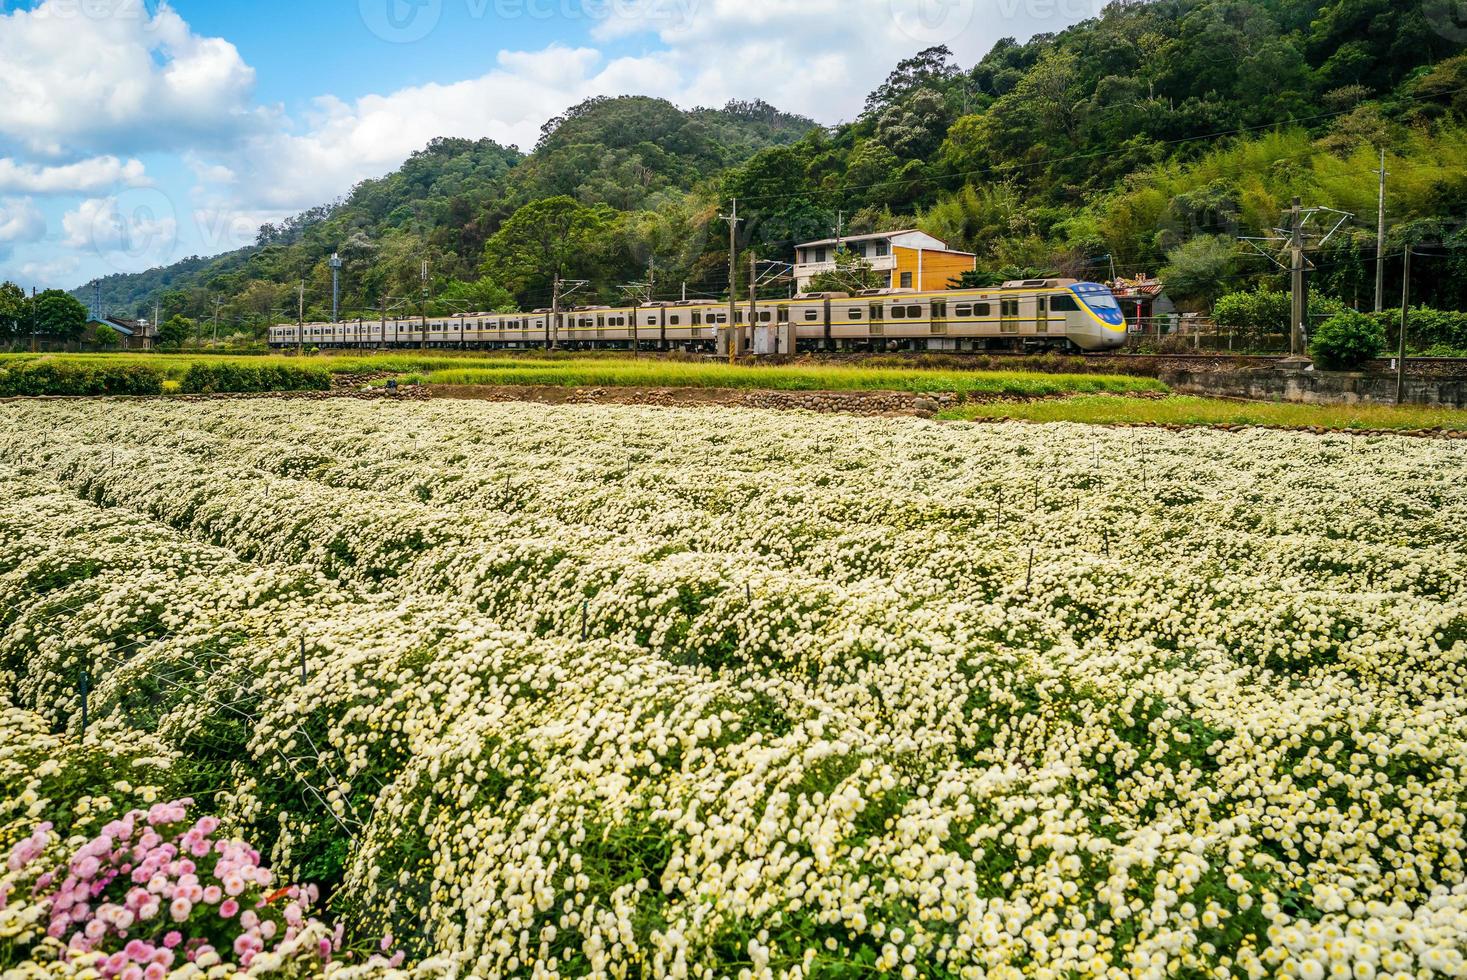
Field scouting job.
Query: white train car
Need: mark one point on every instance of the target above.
(1036, 314)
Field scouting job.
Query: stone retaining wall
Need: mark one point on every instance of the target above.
(1317, 387)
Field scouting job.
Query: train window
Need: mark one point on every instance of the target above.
(898, 312)
(963, 309)
(765, 316)
(738, 316)
(674, 319)
(982, 309)
(697, 317)
(876, 311)
(855, 314)
(939, 309)
(600, 319)
(1064, 304)
(651, 321)
(914, 313)
(811, 316)
(1009, 307)
(784, 314)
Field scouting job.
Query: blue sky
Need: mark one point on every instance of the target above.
(137, 132)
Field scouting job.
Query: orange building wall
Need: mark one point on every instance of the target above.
(937, 267)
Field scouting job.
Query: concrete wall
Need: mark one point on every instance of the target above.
(1318, 387)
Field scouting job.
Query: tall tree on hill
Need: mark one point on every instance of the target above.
(542, 241)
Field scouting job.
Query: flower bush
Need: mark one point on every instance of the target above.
(635, 692)
(154, 891)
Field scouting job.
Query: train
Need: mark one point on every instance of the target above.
(1029, 314)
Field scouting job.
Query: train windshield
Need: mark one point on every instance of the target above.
(1100, 301)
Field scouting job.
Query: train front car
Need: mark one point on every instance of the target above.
(1098, 324)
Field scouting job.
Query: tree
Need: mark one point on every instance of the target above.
(852, 273)
(915, 128)
(12, 310)
(60, 315)
(105, 336)
(175, 332)
(1347, 340)
(541, 242)
(483, 295)
(1198, 271)
(932, 68)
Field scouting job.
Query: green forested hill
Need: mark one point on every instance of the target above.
(1150, 137)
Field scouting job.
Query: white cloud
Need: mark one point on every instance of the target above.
(49, 273)
(20, 221)
(83, 177)
(105, 76)
(348, 141)
(113, 228)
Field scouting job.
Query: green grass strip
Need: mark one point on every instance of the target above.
(1189, 410)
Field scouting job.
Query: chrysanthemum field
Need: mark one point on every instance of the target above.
(633, 692)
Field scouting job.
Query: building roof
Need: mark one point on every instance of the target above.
(937, 244)
(127, 328)
(859, 238)
(1141, 287)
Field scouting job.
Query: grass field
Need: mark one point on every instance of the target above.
(1189, 410)
(786, 377)
(568, 370)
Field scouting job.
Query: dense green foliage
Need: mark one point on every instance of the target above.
(1347, 340)
(204, 377)
(1149, 138)
(1429, 330)
(52, 376)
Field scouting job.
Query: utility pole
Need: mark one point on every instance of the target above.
(423, 306)
(1405, 313)
(753, 298)
(157, 315)
(300, 320)
(1299, 305)
(652, 279)
(1297, 242)
(1380, 238)
(35, 334)
(551, 331)
(685, 292)
(840, 231)
(733, 280)
(335, 264)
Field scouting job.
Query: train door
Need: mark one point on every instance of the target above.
(1041, 314)
(1008, 316)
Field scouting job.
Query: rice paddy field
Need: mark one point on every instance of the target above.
(463, 689)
